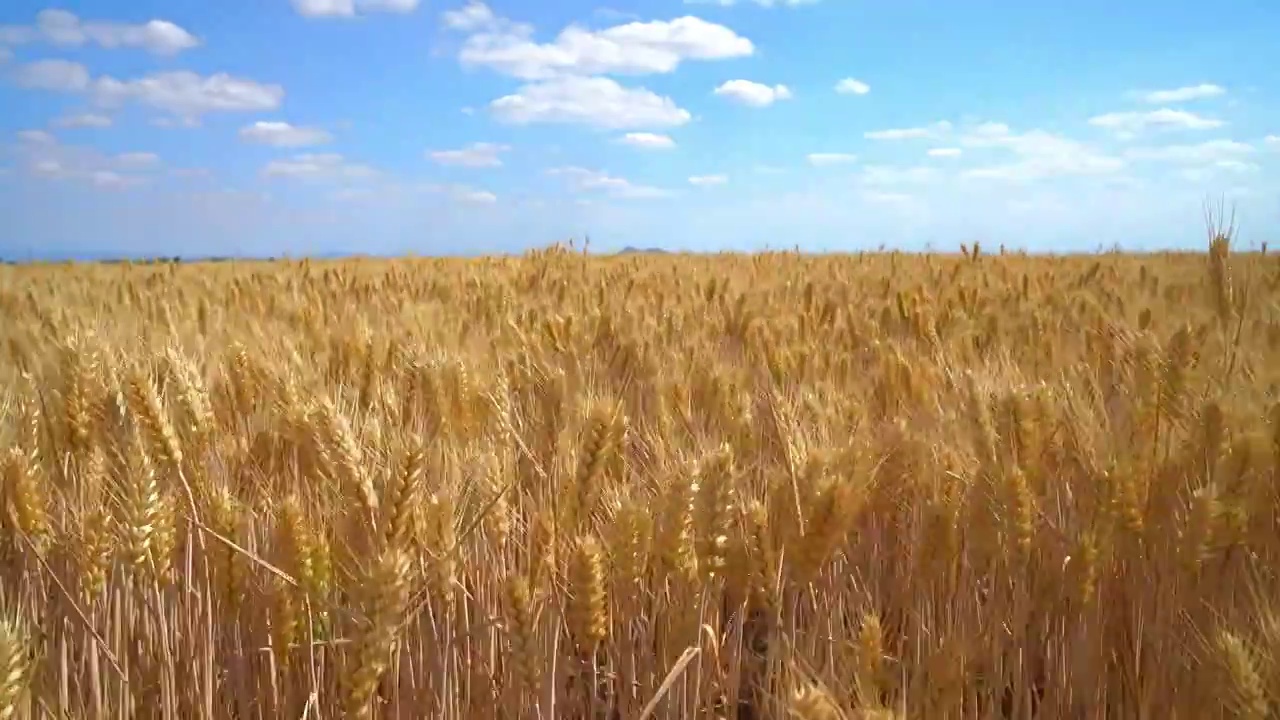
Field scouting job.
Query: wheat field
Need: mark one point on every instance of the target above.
(560, 486)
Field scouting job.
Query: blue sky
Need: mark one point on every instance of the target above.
(388, 126)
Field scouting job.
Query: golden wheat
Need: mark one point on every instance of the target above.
(770, 486)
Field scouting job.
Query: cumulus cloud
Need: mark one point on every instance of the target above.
(566, 78)
(927, 132)
(596, 101)
(188, 95)
(584, 180)
(850, 86)
(352, 8)
(1037, 154)
(182, 93)
(43, 156)
(826, 159)
(708, 180)
(634, 48)
(752, 93)
(1182, 94)
(475, 155)
(318, 166)
(945, 152)
(648, 141)
(283, 134)
(472, 16)
(65, 29)
(55, 75)
(1130, 124)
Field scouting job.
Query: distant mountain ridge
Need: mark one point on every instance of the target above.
(628, 250)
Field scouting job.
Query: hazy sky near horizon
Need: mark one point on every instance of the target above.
(385, 126)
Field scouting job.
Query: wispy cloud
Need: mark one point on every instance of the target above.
(585, 180)
(1181, 94)
(1130, 124)
(475, 155)
(850, 86)
(927, 132)
(283, 134)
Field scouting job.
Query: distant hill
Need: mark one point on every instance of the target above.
(644, 251)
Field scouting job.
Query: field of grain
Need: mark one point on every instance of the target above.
(558, 486)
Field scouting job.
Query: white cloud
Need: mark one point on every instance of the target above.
(83, 120)
(188, 96)
(62, 28)
(1182, 94)
(350, 8)
(584, 180)
(43, 156)
(475, 155)
(753, 94)
(596, 101)
(648, 141)
(1272, 141)
(945, 152)
(929, 132)
(472, 16)
(325, 8)
(825, 159)
(708, 180)
(1208, 152)
(1039, 154)
(1129, 124)
(282, 134)
(58, 75)
(318, 166)
(635, 48)
(850, 86)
